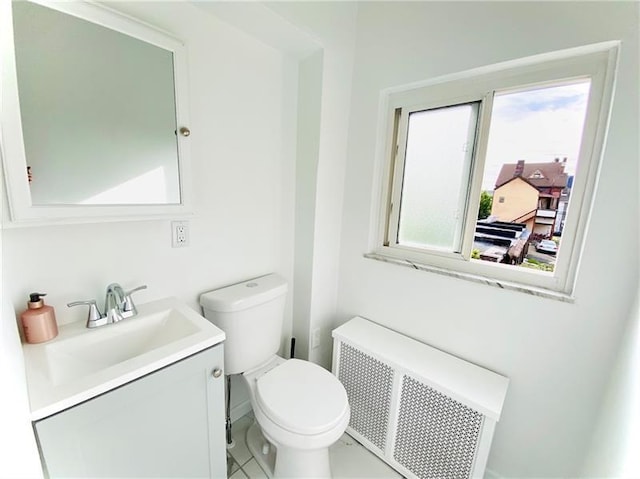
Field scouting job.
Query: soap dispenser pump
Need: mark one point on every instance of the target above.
(38, 320)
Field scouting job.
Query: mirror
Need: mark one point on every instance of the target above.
(99, 115)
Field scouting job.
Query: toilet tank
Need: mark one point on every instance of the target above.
(251, 314)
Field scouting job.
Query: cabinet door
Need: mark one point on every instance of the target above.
(167, 424)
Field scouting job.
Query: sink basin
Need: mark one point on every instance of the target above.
(82, 363)
(112, 344)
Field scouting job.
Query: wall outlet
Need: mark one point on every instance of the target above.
(179, 234)
(315, 338)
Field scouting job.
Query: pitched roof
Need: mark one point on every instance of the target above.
(519, 178)
(540, 175)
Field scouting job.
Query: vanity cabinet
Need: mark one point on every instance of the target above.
(169, 423)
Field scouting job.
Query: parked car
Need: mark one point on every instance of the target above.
(547, 246)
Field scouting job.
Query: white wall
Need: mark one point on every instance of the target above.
(242, 110)
(615, 439)
(309, 109)
(557, 355)
(18, 451)
(243, 186)
(332, 26)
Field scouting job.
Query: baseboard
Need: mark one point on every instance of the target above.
(240, 410)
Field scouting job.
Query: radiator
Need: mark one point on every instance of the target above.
(426, 413)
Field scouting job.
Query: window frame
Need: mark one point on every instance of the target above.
(595, 62)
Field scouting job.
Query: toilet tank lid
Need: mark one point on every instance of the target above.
(244, 295)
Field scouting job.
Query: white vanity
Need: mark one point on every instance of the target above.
(140, 398)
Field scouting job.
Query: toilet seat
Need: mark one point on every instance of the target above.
(302, 397)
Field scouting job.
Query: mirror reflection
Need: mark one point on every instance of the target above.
(98, 112)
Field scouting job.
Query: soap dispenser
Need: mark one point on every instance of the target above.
(38, 320)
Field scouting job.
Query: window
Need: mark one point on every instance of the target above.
(528, 133)
(437, 156)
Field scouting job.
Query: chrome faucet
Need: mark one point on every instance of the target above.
(118, 305)
(112, 303)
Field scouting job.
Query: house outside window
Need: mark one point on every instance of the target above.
(440, 153)
(534, 198)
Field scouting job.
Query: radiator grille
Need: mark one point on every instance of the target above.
(426, 413)
(369, 384)
(436, 436)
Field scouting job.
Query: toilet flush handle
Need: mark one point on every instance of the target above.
(217, 372)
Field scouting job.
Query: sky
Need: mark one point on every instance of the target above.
(536, 126)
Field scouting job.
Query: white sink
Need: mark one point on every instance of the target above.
(106, 346)
(82, 363)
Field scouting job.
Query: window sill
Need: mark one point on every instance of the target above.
(531, 290)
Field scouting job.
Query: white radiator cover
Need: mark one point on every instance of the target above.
(426, 413)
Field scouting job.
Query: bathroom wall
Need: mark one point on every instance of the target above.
(614, 442)
(332, 26)
(309, 111)
(557, 355)
(243, 116)
(18, 452)
(243, 185)
(245, 198)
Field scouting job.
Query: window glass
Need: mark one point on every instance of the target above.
(532, 154)
(436, 171)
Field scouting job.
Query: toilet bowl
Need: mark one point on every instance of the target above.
(301, 408)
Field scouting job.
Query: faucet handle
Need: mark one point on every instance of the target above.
(95, 318)
(128, 307)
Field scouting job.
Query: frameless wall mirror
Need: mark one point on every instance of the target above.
(94, 125)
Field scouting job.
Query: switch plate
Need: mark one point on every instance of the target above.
(315, 338)
(179, 234)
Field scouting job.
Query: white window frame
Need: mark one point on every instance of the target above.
(595, 62)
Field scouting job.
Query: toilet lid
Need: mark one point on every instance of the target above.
(302, 397)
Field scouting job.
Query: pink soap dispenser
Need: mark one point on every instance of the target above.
(38, 320)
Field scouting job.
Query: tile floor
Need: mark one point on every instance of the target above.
(349, 459)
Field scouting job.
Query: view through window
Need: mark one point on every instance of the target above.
(532, 153)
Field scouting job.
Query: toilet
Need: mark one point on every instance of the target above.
(301, 408)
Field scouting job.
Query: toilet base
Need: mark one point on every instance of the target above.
(296, 463)
(256, 444)
(287, 463)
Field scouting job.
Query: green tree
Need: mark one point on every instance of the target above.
(485, 205)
